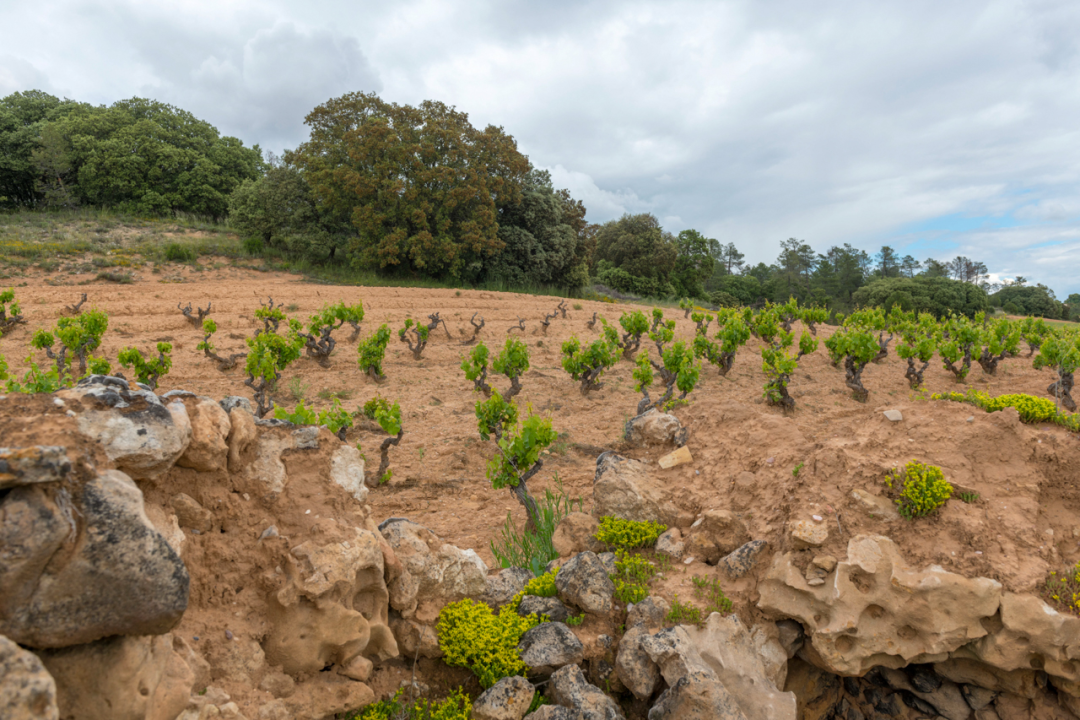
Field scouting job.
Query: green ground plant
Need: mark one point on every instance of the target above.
(456, 706)
(531, 548)
(472, 636)
(542, 585)
(1031, 409)
(78, 337)
(148, 372)
(922, 489)
(632, 576)
(623, 534)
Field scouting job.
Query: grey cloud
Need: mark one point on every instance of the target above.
(17, 75)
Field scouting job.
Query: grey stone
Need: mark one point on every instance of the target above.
(554, 712)
(569, 689)
(507, 699)
(31, 465)
(503, 586)
(655, 428)
(696, 696)
(635, 668)
(583, 582)
(236, 401)
(670, 543)
(894, 415)
(650, 612)
(977, 697)
(626, 489)
(121, 578)
(740, 561)
(548, 646)
(608, 559)
(27, 690)
(549, 606)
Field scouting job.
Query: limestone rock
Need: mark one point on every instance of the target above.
(507, 699)
(893, 415)
(554, 712)
(635, 668)
(549, 606)
(121, 577)
(808, 533)
(266, 472)
(741, 560)
(504, 585)
(576, 533)
(142, 435)
(278, 684)
(210, 426)
(190, 514)
(443, 573)
(334, 607)
(650, 612)
(583, 582)
(654, 428)
(38, 464)
(696, 696)
(569, 689)
(875, 506)
(242, 435)
(548, 646)
(770, 651)
(347, 471)
(878, 610)
(27, 690)
(237, 402)
(626, 489)
(718, 533)
(121, 678)
(670, 543)
(415, 638)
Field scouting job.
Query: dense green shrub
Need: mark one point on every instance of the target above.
(542, 585)
(474, 637)
(923, 489)
(628, 534)
(456, 706)
(1032, 409)
(937, 295)
(148, 372)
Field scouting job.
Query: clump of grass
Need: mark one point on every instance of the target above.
(521, 547)
(297, 388)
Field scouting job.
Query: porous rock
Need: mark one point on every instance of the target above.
(208, 450)
(504, 585)
(121, 678)
(740, 561)
(548, 646)
(143, 436)
(507, 699)
(654, 428)
(635, 668)
(650, 612)
(347, 471)
(670, 543)
(569, 689)
(583, 582)
(333, 608)
(27, 690)
(576, 533)
(901, 614)
(718, 533)
(31, 465)
(807, 533)
(121, 577)
(625, 488)
(237, 402)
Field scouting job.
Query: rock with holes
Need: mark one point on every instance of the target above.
(120, 578)
(549, 606)
(142, 435)
(635, 668)
(878, 610)
(27, 690)
(334, 608)
(741, 560)
(504, 585)
(507, 699)
(121, 678)
(626, 489)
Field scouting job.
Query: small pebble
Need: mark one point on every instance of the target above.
(58, 402)
(688, 560)
(817, 518)
(307, 512)
(195, 532)
(196, 637)
(246, 496)
(71, 413)
(978, 552)
(228, 634)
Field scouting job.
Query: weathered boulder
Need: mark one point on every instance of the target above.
(740, 561)
(190, 514)
(333, 608)
(347, 471)
(242, 435)
(583, 582)
(569, 689)
(208, 450)
(265, 472)
(555, 712)
(32, 465)
(548, 646)
(237, 402)
(27, 690)
(635, 668)
(671, 543)
(143, 436)
(507, 699)
(653, 427)
(878, 610)
(626, 489)
(715, 534)
(576, 533)
(552, 607)
(442, 572)
(121, 678)
(697, 695)
(74, 577)
(504, 585)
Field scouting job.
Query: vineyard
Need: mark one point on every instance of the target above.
(442, 388)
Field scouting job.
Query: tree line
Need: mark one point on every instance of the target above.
(419, 192)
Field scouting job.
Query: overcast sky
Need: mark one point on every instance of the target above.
(937, 128)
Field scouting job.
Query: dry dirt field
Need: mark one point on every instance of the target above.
(744, 451)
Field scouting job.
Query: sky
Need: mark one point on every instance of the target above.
(939, 129)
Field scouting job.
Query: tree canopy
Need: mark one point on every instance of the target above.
(937, 295)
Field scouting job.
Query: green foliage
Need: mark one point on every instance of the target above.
(79, 336)
(588, 364)
(632, 576)
(494, 414)
(472, 636)
(542, 585)
(1028, 300)
(268, 355)
(724, 299)
(710, 591)
(939, 296)
(575, 620)
(532, 549)
(635, 255)
(1032, 409)
(778, 365)
(456, 706)
(387, 415)
(34, 381)
(693, 263)
(960, 337)
(175, 252)
(513, 361)
(923, 489)
(683, 613)
(420, 186)
(9, 308)
(148, 372)
(335, 315)
(301, 415)
(371, 351)
(732, 333)
(475, 364)
(628, 534)
(519, 449)
(419, 329)
(969, 497)
(209, 328)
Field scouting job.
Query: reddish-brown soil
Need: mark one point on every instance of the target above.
(1022, 525)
